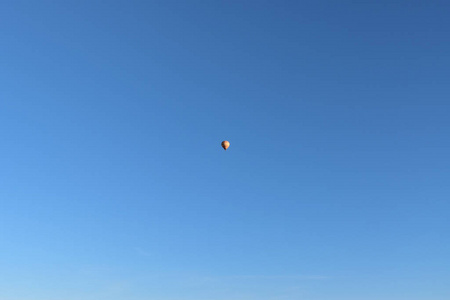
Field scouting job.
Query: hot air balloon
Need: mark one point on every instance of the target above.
(225, 145)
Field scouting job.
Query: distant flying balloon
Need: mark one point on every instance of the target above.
(225, 145)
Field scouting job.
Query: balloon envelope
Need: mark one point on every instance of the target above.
(225, 145)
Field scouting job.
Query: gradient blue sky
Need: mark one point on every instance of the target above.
(113, 184)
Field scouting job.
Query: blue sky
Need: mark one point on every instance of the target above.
(113, 184)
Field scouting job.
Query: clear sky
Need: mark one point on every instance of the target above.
(113, 184)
